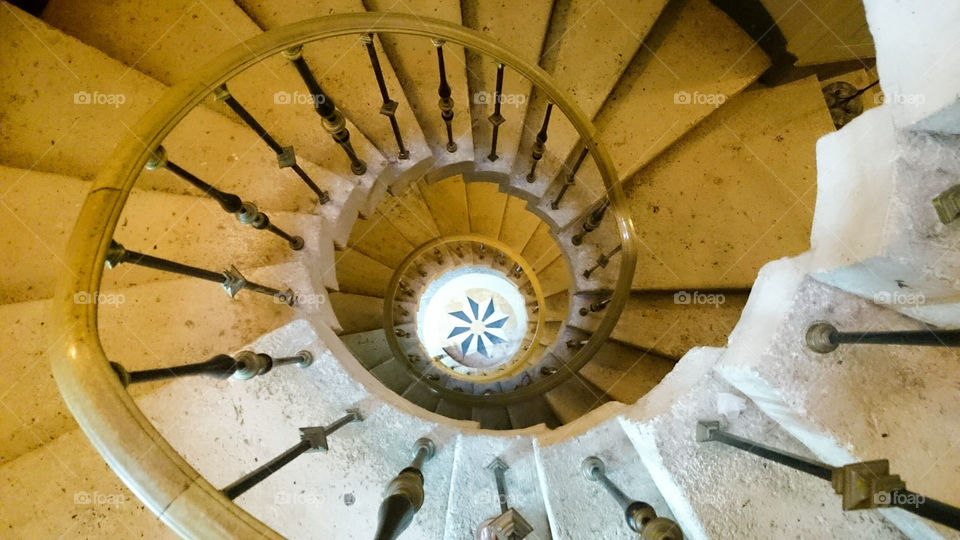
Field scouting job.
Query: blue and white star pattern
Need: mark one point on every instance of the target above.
(478, 328)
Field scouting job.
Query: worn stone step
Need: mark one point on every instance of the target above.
(575, 397)
(733, 193)
(625, 373)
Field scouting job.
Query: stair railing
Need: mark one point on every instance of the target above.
(89, 383)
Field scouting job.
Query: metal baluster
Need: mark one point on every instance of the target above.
(333, 121)
(823, 337)
(596, 307)
(404, 495)
(602, 261)
(446, 102)
(571, 178)
(246, 212)
(496, 118)
(389, 108)
(244, 365)
(591, 223)
(641, 517)
(285, 154)
(509, 525)
(540, 145)
(312, 439)
(862, 485)
(231, 280)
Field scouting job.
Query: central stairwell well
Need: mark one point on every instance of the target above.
(331, 174)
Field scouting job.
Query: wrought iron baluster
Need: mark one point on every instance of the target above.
(312, 439)
(231, 280)
(509, 525)
(641, 517)
(246, 212)
(333, 121)
(596, 307)
(602, 261)
(571, 179)
(496, 118)
(286, 157)
(591, 223)
(823, 337)
(389, 108)
(862, 485)
(244, 365)
(540, 145)
(404, 495)
(446, 102)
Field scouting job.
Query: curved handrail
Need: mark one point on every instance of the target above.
(109, 417)
(516, 365)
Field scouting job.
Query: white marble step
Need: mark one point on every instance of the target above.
(41, 209)
(162, 323)
(580, 508)
(720, 492)
(473, 491)
(860, 402)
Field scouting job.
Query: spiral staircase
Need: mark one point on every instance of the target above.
(616, 167)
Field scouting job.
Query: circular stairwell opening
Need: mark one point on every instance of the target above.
(473, 315)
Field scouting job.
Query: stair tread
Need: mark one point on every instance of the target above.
(378, 239)
(357, 312)
(409, 214)
(625, 373)
(393, 375)
(574, 398)
(175, 39)
(447, 201)
(188, 229)
(764, 183)
(359, 274)
(369, 347)
(84, 134)
(126, 332)
(518, 224)
(486, 205)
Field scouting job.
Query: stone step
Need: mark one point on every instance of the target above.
(580, 508)
(378, 239)
(586, 65)
(876, 233)
(369, 347)
(414, 60)
(298, 398)
(42, 208)
(492, 417)
(521, 29)
(751, 505)
(857, 403)
(624, 373)
(196, 319)
(669, 324)
(171, 42)
(574, 398)
(359, 274)
(693, 60)
(533, 412)
(518, 224)
(408, 213)
(393, 375)
(447, 201)
(698, 208)
(473, 490)
(71, 126)
(357, 312)
(486, 205)
(349, 77)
